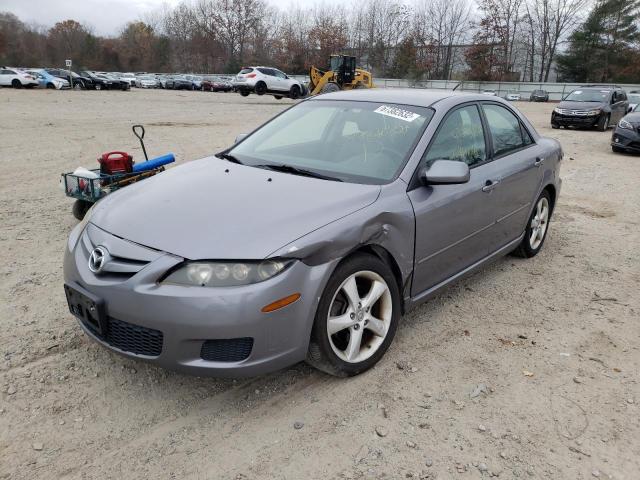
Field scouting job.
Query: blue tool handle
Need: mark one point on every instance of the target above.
(154, 163)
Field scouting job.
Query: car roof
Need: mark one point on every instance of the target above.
(406, 96)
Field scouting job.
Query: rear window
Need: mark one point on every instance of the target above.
(244, 71)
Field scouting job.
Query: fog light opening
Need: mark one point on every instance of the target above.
(283, 302)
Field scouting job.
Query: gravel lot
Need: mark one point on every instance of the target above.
(528, 369)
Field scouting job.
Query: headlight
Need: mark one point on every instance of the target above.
(557, 110)
(594, 112)
(624, 124)
(225, 274)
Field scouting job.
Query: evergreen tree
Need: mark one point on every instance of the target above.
(605, 48)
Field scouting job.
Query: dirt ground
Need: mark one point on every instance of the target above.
(528, 369)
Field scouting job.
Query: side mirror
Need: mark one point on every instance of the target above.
(446, 172)
(240, 137)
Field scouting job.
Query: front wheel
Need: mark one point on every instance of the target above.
(356, 318)
(98, 86)
(537, 227)
(16, 83)
(278, 97)
(603, 123)
(294, 93)
(617, 149)
(80, 208)
(244, 93)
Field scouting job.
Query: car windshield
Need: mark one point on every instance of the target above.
(538, 92)
(359, 142)
(588, 96)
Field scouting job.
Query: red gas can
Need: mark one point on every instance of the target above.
(115, 162)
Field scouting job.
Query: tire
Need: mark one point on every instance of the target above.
(244, 93)
(354, 347)
(330, 87)
(16, 83)
(51, 86)
(603, 124)
(80, 208)
(261, 88)
(98, 86)
(79, 86)
(278, 97)
(294, 93)
(531, 245)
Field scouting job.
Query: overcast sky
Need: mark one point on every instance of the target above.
(106, 17)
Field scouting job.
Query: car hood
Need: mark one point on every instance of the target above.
(581, 105)
(633, 118)
(214, 209)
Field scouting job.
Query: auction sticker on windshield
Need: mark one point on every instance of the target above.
(396, 112)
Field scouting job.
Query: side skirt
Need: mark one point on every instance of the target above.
(422, 297)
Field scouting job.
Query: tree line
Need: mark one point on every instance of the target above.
(519, 40)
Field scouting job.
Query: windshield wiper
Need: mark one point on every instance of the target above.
(298, 171)
(229, 157)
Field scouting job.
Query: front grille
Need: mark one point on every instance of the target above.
(134, 338)
(227, 350)
(566, 111)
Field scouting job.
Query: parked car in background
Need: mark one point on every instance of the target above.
(179, 82)
(147, 81)
(513, 96)
(634, 99)
(267, 80)
(539, 96)
(79, 81)
(195, 80)
(162, 80)
(491, 93)
(98, 81)
(130, 78)
(117, 83)
(590, 106)
(46, 80)
(363, 212)
(626, 135)
(13, 77)
(216, 84)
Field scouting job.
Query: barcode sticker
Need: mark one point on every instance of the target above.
(396, 112)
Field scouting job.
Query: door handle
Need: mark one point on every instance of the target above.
(490, 185)
(539, 162)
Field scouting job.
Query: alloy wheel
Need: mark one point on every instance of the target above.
(539, 223)
(359, 316)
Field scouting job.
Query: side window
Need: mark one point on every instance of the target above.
(460, 138)
(506, 130)
(279, 74)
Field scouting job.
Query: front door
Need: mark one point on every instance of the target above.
(453, 222)
(518, 165)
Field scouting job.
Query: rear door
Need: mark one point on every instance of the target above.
(518, 166)
(453, 222)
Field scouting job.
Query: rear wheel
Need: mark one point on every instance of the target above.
(356, 318)
(278, 97)
(330, 87)
(536, 228)
(244, 93)
(261, 88)
(16, 83)
(603, 123)
(294, 93)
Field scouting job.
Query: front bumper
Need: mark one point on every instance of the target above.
(582, 121)
(626, 139)
(187, 317)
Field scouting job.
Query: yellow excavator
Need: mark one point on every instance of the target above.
(342, 75)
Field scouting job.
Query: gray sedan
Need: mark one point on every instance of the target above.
(310, 237)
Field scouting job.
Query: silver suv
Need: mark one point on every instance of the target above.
(267, 80)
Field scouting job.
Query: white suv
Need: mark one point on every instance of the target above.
(271, 81)
(12, 77)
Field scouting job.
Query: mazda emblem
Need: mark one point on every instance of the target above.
(98, 259)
